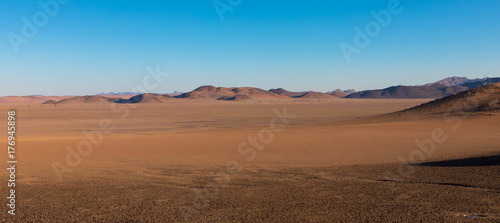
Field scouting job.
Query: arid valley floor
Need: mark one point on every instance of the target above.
(331, 160)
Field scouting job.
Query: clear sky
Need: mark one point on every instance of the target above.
(91, 46)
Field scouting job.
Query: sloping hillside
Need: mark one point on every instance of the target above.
(211, 92)
(486, 98)
(438, 89)
(147, 98)
(433, 91)
(337, 93)
(481, 82)
(235, 98)
(284, 92)
(87, 99)
(30, 99)
(451, 81)
(316, 95)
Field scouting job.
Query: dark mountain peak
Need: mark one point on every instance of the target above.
(281, 91)
(451, 81)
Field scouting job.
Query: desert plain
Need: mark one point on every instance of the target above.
(328, 160)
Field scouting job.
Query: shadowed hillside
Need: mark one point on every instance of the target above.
(337, 93)
(87, 99)
(316, 95)
(284, 92)
(493, 160)
(479, 83)
(438, 89)
(50, 102)
(433, 91)
(486, 98)
(146, 98)
(235, 98)
(305, 95)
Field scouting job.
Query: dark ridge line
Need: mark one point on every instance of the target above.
(493, 160)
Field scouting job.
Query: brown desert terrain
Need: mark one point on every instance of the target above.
(329, 160)
(30, 99)
(35, 99)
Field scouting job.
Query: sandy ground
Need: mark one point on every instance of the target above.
(192, 161)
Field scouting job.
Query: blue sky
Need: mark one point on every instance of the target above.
(91, 46)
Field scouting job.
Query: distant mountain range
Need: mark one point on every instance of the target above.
(132, 93)
(120, 93)
(438, 89)
(485, 98)
(340, 93)
(202, 93)
(450, 81)
(221, 93)
(306, 94)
